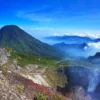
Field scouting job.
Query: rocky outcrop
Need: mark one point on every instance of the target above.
(4, 53)
(8, 92)
(37, 79)
(43, 76)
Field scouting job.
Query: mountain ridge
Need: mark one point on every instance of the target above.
(72, 39)
(97, 55)
(14, 37)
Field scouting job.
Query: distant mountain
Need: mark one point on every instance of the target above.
(66, 47)
(72, 39)
(72, 50)
(95, 59)
(14, 37)
(96, 56)
(63, 45)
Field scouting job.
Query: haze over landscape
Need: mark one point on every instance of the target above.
(50, 50)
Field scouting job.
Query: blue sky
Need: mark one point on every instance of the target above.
(46, 17)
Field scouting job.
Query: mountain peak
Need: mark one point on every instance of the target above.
(14, 37)
(12, 27)
(11, 30)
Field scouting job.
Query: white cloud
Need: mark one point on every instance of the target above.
(86, 34)
(34, 16)
(92, 46)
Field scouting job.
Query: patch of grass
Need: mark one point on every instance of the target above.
(4, 72)
(24, 59)
(40, 96)
(55, 97)
(20, 89)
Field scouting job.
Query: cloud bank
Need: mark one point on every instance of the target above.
(93, 46)
(87, 34)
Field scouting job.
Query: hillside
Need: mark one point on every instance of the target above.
(14, 37)
(33, 82)
(25, 77)
(16, 87)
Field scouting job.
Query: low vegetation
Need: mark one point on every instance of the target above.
(40, 96)
(7, 48)
(55, 97)
(19, 88)
(55, 79)
(4, 72)
(24, 59)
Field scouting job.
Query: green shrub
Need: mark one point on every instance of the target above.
(55, 97)
(40, 96)
(20, 89)
(4, 72)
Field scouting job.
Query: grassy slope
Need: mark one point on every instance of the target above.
(53, 78)
(24, 59)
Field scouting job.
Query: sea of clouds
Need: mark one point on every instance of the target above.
(90, 35)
